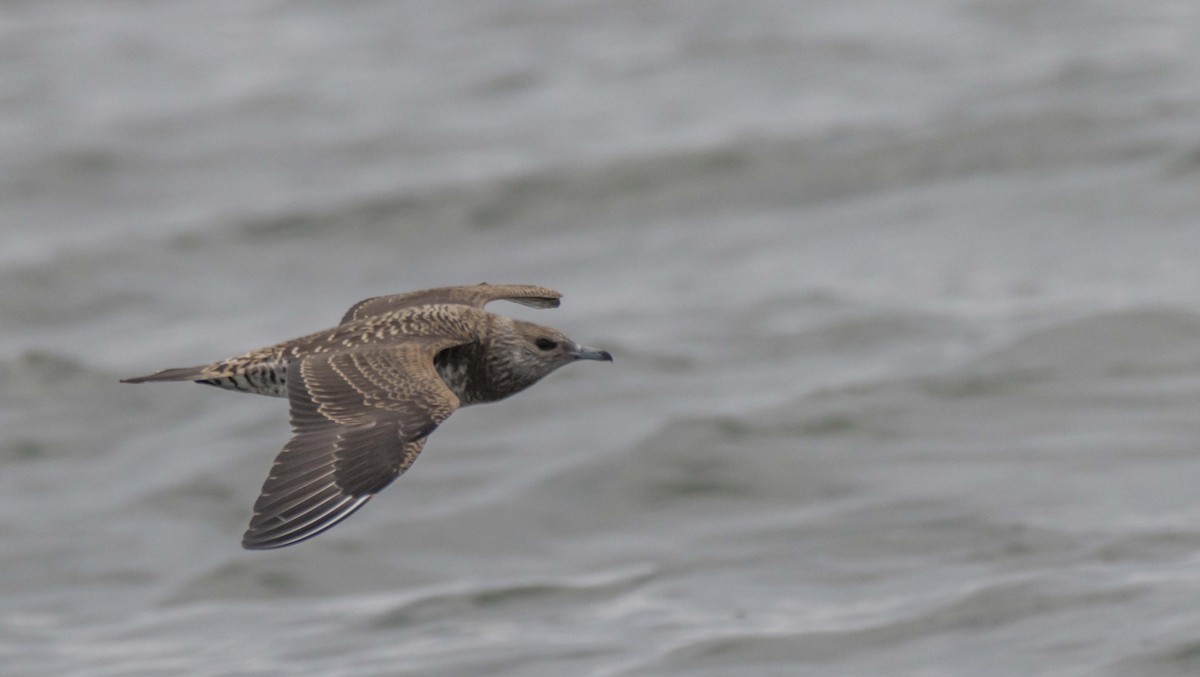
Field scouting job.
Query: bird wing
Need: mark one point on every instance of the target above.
(360, 418)
(477, 296)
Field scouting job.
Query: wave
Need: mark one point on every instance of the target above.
(764, 171)
(504, 598)
(883, 630)
(35, 373)
(1040, 387)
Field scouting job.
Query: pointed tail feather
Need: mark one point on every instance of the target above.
(178, 374)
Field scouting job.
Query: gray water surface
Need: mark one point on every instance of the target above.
(904, 299)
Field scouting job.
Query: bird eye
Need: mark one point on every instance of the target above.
(545, 344)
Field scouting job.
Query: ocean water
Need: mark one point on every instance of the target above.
(904, 300)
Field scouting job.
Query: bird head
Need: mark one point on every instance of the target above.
(523, 353)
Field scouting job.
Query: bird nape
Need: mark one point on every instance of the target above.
(365, 395)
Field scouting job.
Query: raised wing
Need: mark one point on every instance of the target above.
(477, 296)
(360, 419)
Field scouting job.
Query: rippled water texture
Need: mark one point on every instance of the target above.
(904, 299)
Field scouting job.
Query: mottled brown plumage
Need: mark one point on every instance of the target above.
(365, 395)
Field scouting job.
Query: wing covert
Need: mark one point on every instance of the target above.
(360, 419)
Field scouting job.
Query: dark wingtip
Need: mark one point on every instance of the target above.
(274, 532)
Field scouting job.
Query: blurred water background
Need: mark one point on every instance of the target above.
(904, 298)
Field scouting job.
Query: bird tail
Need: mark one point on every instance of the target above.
(177, 374)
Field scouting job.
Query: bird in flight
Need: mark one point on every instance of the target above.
(365, 395)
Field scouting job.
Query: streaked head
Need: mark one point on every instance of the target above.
(522, 353)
